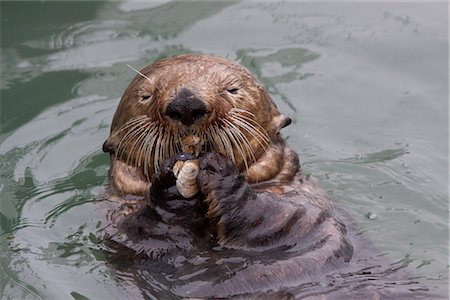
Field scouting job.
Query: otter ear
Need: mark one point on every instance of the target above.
(281, 121)
(109, 146)
(287, 122)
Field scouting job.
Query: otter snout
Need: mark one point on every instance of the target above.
(186, 107)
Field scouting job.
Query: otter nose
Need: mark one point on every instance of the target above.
(186, 107)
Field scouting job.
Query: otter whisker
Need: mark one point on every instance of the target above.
(139, 72)
(175, 143)
(140, 149)
(134, 120)
(212, 136)
(171, 145)
(150, 140)
(253, 128)
(234, 138)
(244, 141)
(163, 147)
(168, 144)
(144, 152)
(152, 147)
(238, 61)
(147, 154)
(128, 137)
(242, 111)
(132, 126)
(219, 144)
(139, 142)
(134, 132)
(141, 136)
(131, 139)
(143, 146)
(163, 152)
(203, 136)
(157, 149)
(242, 136)
(129, 124)
(157, 158)
(227, 148)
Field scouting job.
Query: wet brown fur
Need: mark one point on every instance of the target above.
(210, 79)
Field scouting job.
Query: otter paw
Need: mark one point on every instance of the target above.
(216, 172)
(164, 178)
(217, 163)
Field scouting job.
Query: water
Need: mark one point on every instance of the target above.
(366, 86)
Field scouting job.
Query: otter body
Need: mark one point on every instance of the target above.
(252, 196)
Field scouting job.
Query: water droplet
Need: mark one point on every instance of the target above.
(371, 216)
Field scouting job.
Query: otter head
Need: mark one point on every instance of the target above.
(213, 98)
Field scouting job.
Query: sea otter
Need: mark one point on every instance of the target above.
(252, 198)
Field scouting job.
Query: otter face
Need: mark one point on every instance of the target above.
(213, 98)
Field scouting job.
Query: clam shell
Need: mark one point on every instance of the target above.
(177, 168)
(186, 173)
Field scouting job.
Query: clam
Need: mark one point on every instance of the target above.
(186, 171)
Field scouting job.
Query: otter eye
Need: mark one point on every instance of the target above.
(233, 91)
(145, 97)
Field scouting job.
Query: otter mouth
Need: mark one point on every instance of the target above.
(145, 143)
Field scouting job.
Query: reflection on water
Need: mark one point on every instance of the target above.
(366, 86)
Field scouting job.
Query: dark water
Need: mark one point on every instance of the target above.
(366, 86)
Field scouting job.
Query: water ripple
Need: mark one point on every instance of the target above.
(85, 33)
(375, 157)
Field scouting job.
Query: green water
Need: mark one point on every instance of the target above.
(365, 84)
